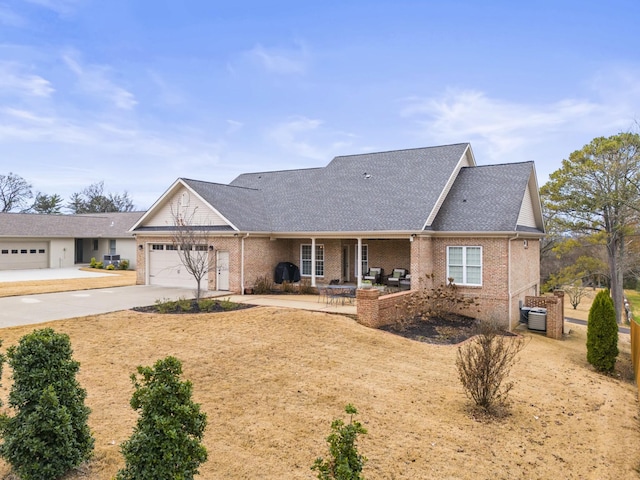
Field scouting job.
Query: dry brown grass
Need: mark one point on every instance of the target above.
(272, 379)
(116, 278)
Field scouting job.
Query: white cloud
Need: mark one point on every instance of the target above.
(281, 61)
(61, 7)
(14, 79)
(94, 79)
(511, 131)
(287, 135)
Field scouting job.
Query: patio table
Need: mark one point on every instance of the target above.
(341, 292)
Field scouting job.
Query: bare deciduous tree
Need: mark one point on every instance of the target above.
(192, 244)
(14, 192)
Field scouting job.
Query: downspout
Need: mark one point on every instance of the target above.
(242, 263)
(509, 280)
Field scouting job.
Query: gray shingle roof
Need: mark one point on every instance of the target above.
(485, 199)
(106, 225)
(376, 192)
(387, 191)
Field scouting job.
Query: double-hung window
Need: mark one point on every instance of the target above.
(464, 265)
(305, 260)
(365, 260)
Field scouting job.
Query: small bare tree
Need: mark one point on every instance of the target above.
(484, 364)
(191, 242)
(575, 292)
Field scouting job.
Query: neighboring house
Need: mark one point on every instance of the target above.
(427, 210)
(29, 240)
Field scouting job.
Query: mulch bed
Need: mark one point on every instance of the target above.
(176, 308)
(439, 331)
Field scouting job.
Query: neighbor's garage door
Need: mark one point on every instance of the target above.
(24, 255)
(166, 268)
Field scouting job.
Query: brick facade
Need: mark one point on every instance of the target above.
(503, 288)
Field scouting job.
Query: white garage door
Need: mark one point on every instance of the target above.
(166, 268)
(23, 255)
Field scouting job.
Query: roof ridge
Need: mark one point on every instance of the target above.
(220, 184)
(403, 150)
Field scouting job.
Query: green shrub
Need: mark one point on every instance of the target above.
(99, 265)
(111, 266)
(93, 262)
(167, 440)
(165, 305)
(184, 304)
(602, 333)
(345, 462)
(123, 265)
(48, 435)
(207, 304)
(227, 304)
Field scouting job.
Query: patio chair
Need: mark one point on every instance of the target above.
(375, 275)
(397, 274)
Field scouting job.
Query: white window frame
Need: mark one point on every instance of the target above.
(464, 265)
(365, 260)
(306, 261)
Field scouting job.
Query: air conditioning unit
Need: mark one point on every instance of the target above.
(537, 319)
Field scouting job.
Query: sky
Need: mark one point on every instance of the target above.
(137, 93)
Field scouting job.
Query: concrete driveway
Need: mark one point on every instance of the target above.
(28, 309)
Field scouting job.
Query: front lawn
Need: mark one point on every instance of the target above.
(271, 380)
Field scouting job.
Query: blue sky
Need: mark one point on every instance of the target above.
(137, 93)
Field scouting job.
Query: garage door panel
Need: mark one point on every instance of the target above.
(166, 269)
(17, 255)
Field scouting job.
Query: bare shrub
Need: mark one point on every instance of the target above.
(263, 285)
(484, 364)
(443, 301)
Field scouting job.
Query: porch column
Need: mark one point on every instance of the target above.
(359, 263)
(313, 262)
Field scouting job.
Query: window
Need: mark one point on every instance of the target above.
(14, 251)
(200, 248)
(112, 246)
(23, 250)
(33, 250)
(464, 265)
(95, 244)
(305, 260)
(41, 250)
(172, 247)
(157, 246)
(365, 260)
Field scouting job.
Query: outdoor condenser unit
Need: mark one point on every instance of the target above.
(537, 319)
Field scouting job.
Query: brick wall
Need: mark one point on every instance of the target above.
(376, 311)
(555, 312)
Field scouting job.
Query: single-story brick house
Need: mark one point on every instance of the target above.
(29, 240)
(426, 210)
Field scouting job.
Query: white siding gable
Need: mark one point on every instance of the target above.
(185, 203)
(526, 217)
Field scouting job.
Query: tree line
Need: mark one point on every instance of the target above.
(16, 195)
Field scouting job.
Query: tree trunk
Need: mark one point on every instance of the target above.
(615, 274)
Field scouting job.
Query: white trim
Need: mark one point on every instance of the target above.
(465, 265)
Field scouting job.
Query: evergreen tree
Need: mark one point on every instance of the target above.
(49, 434)
(167, 439)
(602, 333)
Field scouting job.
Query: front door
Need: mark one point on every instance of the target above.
(222, 269)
